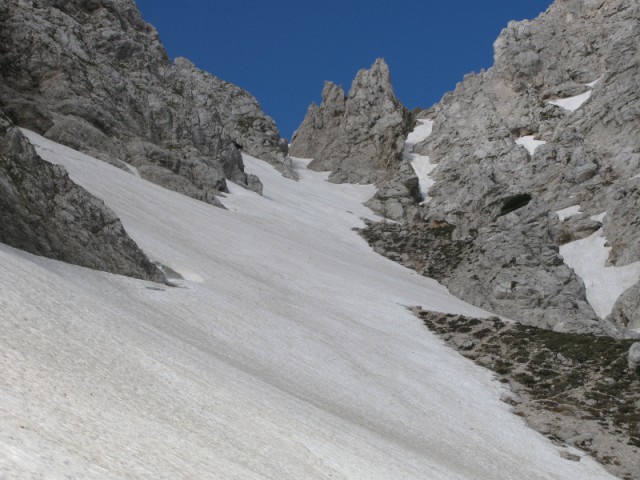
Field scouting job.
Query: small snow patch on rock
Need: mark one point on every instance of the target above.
(568, 212)
(530, 143)
(572, 103)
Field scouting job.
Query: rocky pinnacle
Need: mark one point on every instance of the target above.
(358, 137)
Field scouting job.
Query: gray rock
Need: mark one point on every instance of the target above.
(511, 266)
(254, 184)
(516, 270)
(634, 355)
(360, 137)
(43, 212)
(398, 197)
(622, 222)
(626, 310)
(94, 76)
(251, 130)
(575, 228)
(495, 192)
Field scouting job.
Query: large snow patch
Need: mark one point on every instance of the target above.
(292, 356)
(572, 103)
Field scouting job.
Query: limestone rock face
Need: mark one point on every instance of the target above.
(251, 130)
(397, 197)
(515, 268)
(43, 212)
(569, 78)
(626, 310)
(358, 137)
(94, 76)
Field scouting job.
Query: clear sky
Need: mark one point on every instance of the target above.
(282, 52)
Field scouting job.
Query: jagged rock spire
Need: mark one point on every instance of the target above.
(358, 137)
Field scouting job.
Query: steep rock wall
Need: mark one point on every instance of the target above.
(94, 76)
(568, 79)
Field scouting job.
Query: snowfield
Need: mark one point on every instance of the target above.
(288, 354)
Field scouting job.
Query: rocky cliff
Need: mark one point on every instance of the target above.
(358, 137)
(553, 124)
(569, 79)
(43, 212)
(94, 76)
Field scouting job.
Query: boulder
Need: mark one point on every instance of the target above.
(634, 355)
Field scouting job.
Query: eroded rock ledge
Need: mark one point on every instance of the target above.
(500, 267)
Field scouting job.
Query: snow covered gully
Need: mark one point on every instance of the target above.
(288, 353)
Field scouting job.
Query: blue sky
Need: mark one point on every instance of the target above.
(282, 52)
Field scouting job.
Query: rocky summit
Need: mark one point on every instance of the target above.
(358, 137)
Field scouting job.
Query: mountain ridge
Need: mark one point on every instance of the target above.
(515, 144)
(290, 351)
(106, 86)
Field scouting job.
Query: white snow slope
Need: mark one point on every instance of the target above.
(288, 355)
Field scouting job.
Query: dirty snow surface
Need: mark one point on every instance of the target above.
(421, 164)
(287, 353)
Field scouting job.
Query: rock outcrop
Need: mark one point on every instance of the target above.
(626, 310)
(359, 137)
(94, 76)
(553, 124)
(43, 212)
(578, 390)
